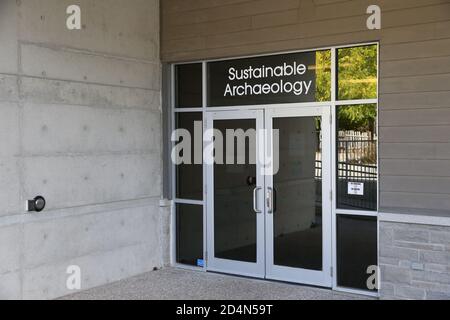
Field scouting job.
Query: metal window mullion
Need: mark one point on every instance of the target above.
(333, 167)
(205, 212)
(355, 102)
(181, 110)
(173, 244)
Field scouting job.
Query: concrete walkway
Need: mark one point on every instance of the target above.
(177, 284)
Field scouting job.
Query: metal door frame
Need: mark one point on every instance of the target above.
(230, 266)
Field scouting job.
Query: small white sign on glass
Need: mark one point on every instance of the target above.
(355, 188)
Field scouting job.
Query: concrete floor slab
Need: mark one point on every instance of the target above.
(179, 284)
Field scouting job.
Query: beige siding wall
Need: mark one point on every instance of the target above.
(414, 72)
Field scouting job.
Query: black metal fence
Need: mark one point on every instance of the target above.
(356, 162)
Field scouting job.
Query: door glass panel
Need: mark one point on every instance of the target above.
(234, 182)
(297, 218)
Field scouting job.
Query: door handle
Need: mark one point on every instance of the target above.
(274, 197)
(269, 200)
(255, 198)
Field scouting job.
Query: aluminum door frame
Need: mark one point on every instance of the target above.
(231, 266)
(324, 277)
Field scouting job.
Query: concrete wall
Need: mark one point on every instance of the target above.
(81, 125)
(414, 80)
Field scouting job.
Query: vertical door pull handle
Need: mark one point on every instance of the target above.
(255, 200)
(269, 200)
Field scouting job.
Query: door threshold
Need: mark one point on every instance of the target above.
(298, 284)
(268, 280)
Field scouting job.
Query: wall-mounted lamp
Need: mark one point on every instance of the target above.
(36, 205)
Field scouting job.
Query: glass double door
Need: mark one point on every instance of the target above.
(268, 194)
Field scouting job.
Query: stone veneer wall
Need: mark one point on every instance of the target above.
(414, 261)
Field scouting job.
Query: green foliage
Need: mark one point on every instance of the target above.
(323, 75)
(357, 73)
(357, 79)
(357, 117)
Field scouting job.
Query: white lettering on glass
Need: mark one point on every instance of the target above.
(282, 86)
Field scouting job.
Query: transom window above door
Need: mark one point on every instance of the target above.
(325, 75)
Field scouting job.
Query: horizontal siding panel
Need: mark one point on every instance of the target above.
(415, 67)
(402, 4)
(425, 14)
(424, 151)
(424, 201)
(430, 134)
(437, 185)
(269, 47)
(419, 117)
(187, 44)
(388, 36)
(291, 32)
(325, 2)
(438, 82)
(335, 26)
(404, 167)
(200, 12)
(310, 35)
(416, 32)
(191, 5)
(227, 12)
(412, 100)
(275, 19)
(255, 36)
(414, 50)
(205, 29)
(394, 12)
(312, 28)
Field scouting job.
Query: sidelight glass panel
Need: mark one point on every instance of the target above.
(189, 234)
(188, 85)
(357, 72)
(189, 174)
(234, 182)
(356, 250)
(357, 165)
(297, 216)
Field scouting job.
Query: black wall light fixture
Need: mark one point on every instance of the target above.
(36, 205)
